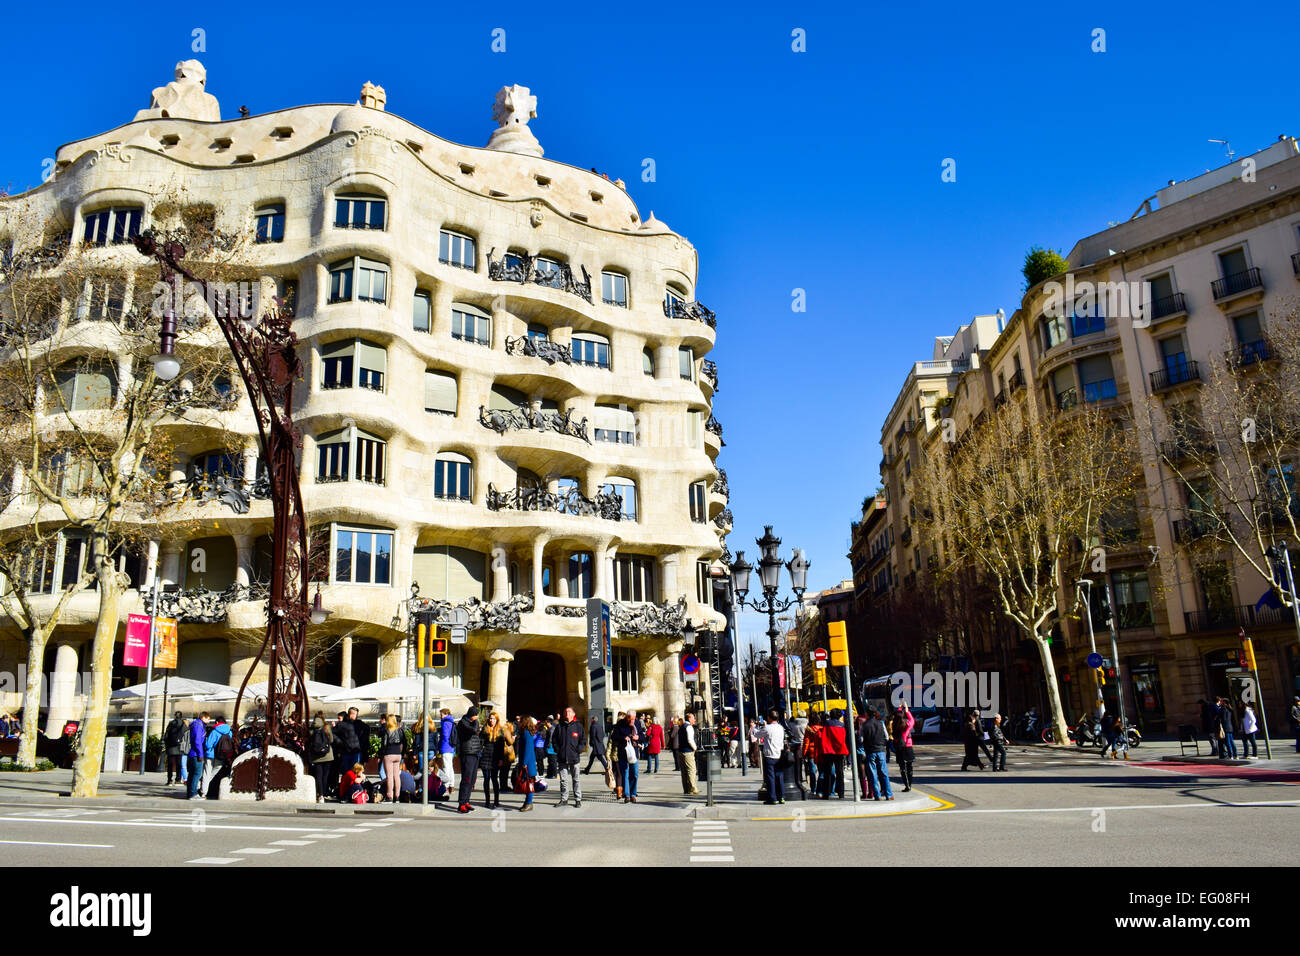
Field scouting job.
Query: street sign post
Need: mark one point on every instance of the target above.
(1248, 653)
(839, 642)
(600, 640)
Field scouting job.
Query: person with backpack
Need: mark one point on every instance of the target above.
(347, 748)
(176, 738)
(624, 740)
(320, 752)
(195, 758)
(470, 750)
(391, 750)
(219, 752)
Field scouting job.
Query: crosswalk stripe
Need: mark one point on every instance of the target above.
(215, 860)
(292, 842)
(260, 850)
(713, 859)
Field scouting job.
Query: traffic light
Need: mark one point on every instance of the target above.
(430, 643)
(438, 648)
(839, 644)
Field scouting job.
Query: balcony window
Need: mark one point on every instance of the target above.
(613, 289)
(1098, 379)
(362, 556)
(353, 363)
(87, 387)
(359, 211)
(112, 226)
(469, 324)
(580, 565)
(370, 285)
(453, 475)
(103, 298)
(674, 302)
(450, 573)
(699, 506)
(332, 454)
(615, 424)
(1086, 321)
(625, 488)
(648, 361)
(1062, 386)
(457, 250)
(216, 464)
(548, 272)
(634, 578)
(370, 458)
(590, 349)
(538, 333)
(1054, 332)
(440, 392)
(686, 364)
(1132, 599)
(270, 223)
(421, 312)
(703, 584)
(335, 450)
(1250, 335)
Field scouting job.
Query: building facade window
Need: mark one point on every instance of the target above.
(335, 450)
(1132, 599)
(440, 392)
(270, 223)
(590, 349)
(634, 578)
(613, 289)
(110, 227)
(625, 488)
(1054, 332)
(615, 424)
(422, 312)
(1098, 378)
(103, 298)
(87, 387)
(450, 573)
(359, 211)
(469, 324)
(703, 584)
(453, 476)
(353, 363)
(580, 565)
(686, 364)
(699, 507)
(548, 272)
(674, 301)
(362, 556)
(648, 361)
(627, 671)
(362, 280)
(457, 250)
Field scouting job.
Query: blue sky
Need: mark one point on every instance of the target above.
(817, 170)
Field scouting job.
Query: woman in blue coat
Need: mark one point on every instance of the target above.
(527, 752)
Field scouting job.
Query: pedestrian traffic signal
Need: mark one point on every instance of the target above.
(839, 644)
(430, 643)
(438, 649)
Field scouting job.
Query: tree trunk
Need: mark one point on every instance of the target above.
(90, 755)
(37, 638)
(1053, 690)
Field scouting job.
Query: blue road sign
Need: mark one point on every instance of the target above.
(1095, 660)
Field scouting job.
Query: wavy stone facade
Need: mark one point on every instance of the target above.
(427, 383)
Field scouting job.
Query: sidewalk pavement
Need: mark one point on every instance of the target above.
(1285, 757)
(659, 797)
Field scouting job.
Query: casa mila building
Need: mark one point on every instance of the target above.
(505, 403)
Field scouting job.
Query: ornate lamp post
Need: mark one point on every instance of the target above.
(264, 351)
(769, 573)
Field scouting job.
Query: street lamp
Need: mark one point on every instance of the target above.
(769, 574)
(264, 349)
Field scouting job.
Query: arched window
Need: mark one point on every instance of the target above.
(470, 324)
(591, 349)
(361, 279)
(359, 211)
(456, 249)
(422, 312)
(625, 488)
(453, 477)
(613, 289)
(113, 226)
(503, 398)
(270, 223)
(335, 450)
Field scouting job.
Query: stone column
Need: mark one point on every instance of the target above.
(243, 559)
(346, 666)
(666, 362)
(150, 565)
(670, 591)
(539, 563)
(250, 464)
(498, 678)
(63, 690)
(172, 572)
(601, 579)
(673, 690)
(243, 659)
(651, 680)
(500, 573)
(124, 379)
(561, 578)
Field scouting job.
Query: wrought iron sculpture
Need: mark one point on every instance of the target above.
(201, 606)
(266, 356)
(521, 267)
(544, 349)
(649, 618)
(710, 371)
(677, 309)
(483, 615)
(570, 501)
(230, 491)
(715, 426)
(526, 417)
(566, 610)
(720, 485)
(724, 518)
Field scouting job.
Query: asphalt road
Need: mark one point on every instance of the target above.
(1052, 808)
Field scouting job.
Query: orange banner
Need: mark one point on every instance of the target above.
(165, 635)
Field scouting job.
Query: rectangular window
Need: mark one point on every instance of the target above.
(1062, 385)
(1248, 329)
(1086, 321)
(703, 584)
(1098, 378)
(359, 212)
(84, 389)
(590, 350)
(613, 289)
(370, 459)
(693, 435)
(1132, 599)
(627, 671)
(372, 362)
(341, 282)
(634, 578)
(674, 303)
(363, 557)
(615, 424)
(421, 313)
(332, 461)
(372, 281)
(270, 223)
(686, 364)
(456, 250)
(451, 479)
(337, 363)
(440, 392)
(471, 327)
(1054, 332)
(627, 492)
(699, 508)
(580, 575)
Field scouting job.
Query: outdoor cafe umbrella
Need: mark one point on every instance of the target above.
(316, 690)
(177, 687)
(397, 688)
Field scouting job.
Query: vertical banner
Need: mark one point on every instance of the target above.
(135, 652)
(165, 636)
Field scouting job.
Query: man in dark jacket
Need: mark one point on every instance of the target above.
(470, 752)
(875, 743)
(568, 738)
(347, 748)
(1228, 722)
(1210, 725)
(363, 732)
(596, 739)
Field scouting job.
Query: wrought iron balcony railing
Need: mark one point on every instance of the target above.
(1187, 530)
(721, 487)
(1236, 284)
(526, 417)
(1248, 353)
(676, 309)
(568, 502)
(1233, 618)
(522, 268)
(714, 426)
(544, 349)
(710, 372)
(1178, 373)
(1168, 305)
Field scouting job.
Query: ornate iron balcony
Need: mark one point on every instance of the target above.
(1248, 353)
(675, 309)
(1168, 305)
(483, 615)
(714, 426)
(1017, 380)
(571, 502)
(724, 519)
(544, 349)
(649, 618)
(524, 417)
(1177, 374)
(522, 268)
(201, 606)
(1236, 284)
(1199, 526)
(710, 371)
(720, 485)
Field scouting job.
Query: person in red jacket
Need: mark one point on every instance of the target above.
(835, 747)
(813, 746)
(654, 745)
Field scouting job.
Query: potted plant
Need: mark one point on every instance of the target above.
(372, 753)
(156, 753)
(132, 751)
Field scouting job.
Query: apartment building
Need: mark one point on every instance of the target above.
(506, 404)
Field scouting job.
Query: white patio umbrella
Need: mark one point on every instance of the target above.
(398, 688)
(316, 690)
(177, 687)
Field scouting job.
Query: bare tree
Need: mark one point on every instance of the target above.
(1009, 499)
